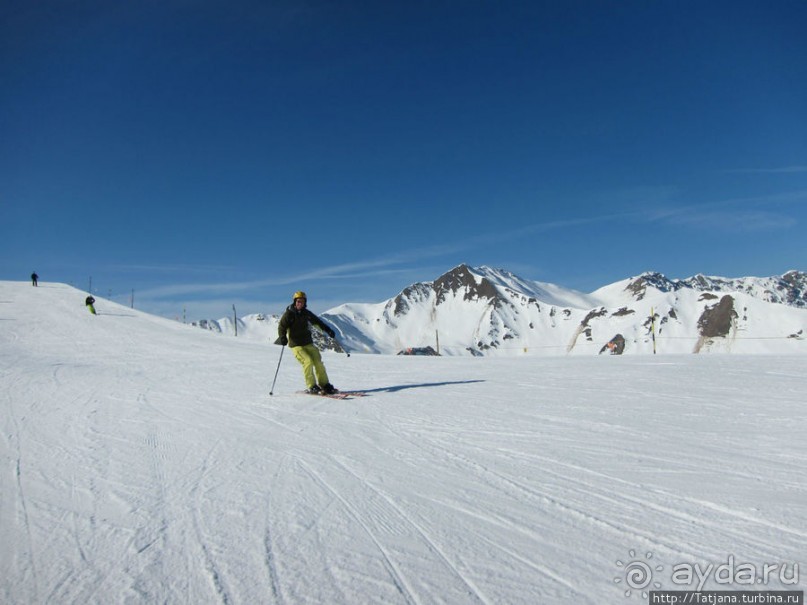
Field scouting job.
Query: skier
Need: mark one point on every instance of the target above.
(293, 330)
(34, 279)
(90, 301)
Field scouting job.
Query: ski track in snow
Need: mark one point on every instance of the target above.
(144, 461)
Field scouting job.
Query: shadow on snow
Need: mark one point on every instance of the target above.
(422, 385)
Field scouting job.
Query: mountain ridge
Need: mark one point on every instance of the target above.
(488, 311)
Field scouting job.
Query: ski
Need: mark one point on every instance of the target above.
(337, 395)
(323, 395)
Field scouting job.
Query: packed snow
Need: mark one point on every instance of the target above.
(144, 461)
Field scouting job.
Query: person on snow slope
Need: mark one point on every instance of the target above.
(293, 330)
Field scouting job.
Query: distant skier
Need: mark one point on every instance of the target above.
(90, 301)
(34, 279)
(293, 330)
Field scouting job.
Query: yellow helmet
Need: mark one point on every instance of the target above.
(299, 294)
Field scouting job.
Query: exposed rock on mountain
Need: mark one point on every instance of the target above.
(615, 346)
(789, 289)
(718, 320)
(461, 280)
(656, 281)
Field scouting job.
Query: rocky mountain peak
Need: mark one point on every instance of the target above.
(795, 285)
(463, 279)
(638, 286)
(789, 289)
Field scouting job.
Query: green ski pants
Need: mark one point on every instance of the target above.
(311, 360)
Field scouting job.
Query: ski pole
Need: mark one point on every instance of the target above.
(272, 390)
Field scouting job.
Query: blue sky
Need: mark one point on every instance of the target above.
(205, 154)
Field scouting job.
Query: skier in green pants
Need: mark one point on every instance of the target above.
(293, 330)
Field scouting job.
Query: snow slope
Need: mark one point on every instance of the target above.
(143, 461)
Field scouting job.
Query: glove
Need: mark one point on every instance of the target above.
(283, 341)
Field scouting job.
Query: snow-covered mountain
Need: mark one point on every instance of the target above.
(484, 311)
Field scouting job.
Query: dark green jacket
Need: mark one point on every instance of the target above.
(295, 325)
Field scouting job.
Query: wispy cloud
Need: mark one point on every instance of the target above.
(385, 265)
(733, 211)
(171, 268)
(733, 215)
(489, 238)
(368, 268)
(737, 222)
